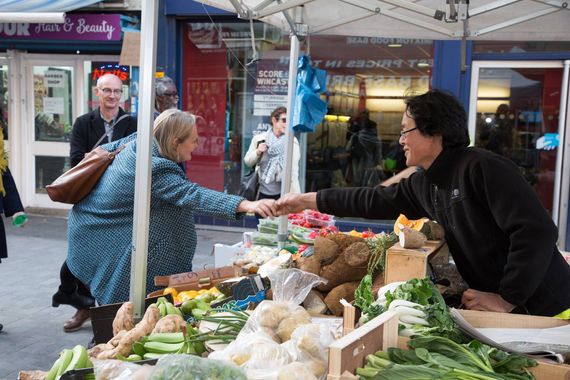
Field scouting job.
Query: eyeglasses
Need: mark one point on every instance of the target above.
(170, 94)
(283, 119)
(404, 133)
(109, 91)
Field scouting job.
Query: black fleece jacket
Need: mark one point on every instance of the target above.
(500, 236)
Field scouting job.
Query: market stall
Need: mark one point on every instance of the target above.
(298, 311)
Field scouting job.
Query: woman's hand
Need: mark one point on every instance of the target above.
(476, 300)
(261, 148)
(263, 207)
(291, 203)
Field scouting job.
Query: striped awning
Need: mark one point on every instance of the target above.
(29, 6)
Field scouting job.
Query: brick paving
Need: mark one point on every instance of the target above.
(33, 332)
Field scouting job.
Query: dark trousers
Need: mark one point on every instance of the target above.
(70, 283)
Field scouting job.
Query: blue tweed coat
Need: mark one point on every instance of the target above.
(100, 226)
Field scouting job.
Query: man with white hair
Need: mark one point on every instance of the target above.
(109, 122)
(165, 95)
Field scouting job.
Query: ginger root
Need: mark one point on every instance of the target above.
(124, 318)
(169, 324)
(141, 329)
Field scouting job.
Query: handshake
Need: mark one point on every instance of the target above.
(287, 204)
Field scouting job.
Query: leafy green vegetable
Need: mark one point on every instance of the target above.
(363, 296)
(435, 357)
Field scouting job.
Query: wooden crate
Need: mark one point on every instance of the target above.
(403, 264)
(349, 352)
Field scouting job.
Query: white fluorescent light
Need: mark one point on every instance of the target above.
(33, 17)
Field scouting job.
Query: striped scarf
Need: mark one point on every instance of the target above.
(275, 157)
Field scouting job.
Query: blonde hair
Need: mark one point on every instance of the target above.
(171, 128)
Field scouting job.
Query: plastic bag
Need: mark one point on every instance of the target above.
(189, 367)
(293, 285)
(258, 349)
(112, 369)
(254, 351)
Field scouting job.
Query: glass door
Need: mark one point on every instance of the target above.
(51, 94)
(517, 115)
(56, 91)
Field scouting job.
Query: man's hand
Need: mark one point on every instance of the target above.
(292, 203)
(476, 300)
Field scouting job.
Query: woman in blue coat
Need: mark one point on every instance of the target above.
(100, 226)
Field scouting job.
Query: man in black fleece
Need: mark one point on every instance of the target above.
(500, 236)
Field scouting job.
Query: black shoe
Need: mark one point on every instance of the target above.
(74, 299)
(92, 343)
(1, 327)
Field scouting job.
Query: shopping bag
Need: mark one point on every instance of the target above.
(249, 188)
(76, 183)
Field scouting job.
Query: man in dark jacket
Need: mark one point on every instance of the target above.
(500, 236)
(107, 123)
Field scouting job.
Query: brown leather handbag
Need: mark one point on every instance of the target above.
(76, 183)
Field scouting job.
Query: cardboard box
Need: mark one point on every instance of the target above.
(349, 352)
(223, 254)
(203, 278)
(403, 264)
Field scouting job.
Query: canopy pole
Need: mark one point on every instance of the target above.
(141, 214)
(289, 135)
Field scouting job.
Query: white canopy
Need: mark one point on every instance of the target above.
(509, 20)
(498, 20)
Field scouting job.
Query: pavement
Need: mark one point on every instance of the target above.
(33, 332)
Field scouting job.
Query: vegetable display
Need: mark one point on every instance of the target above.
(434, 357)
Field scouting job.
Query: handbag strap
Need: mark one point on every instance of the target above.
(111, 127)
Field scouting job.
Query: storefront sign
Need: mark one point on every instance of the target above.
(54, 78)
(101, 27)
(270, 87)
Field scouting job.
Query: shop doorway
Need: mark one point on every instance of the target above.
(518, 115)
(47, 94)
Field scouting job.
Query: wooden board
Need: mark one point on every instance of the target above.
(403, 264)
(349, 352)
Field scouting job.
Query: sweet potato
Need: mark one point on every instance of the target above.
(345, 291)
(124, 318)
(339, 272)
(410, 238)
(357, 254)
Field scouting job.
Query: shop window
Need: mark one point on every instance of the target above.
(368, 79)
(517, 117)
(48, 168)
(53, 102)
(94, 70)
(502, 47)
